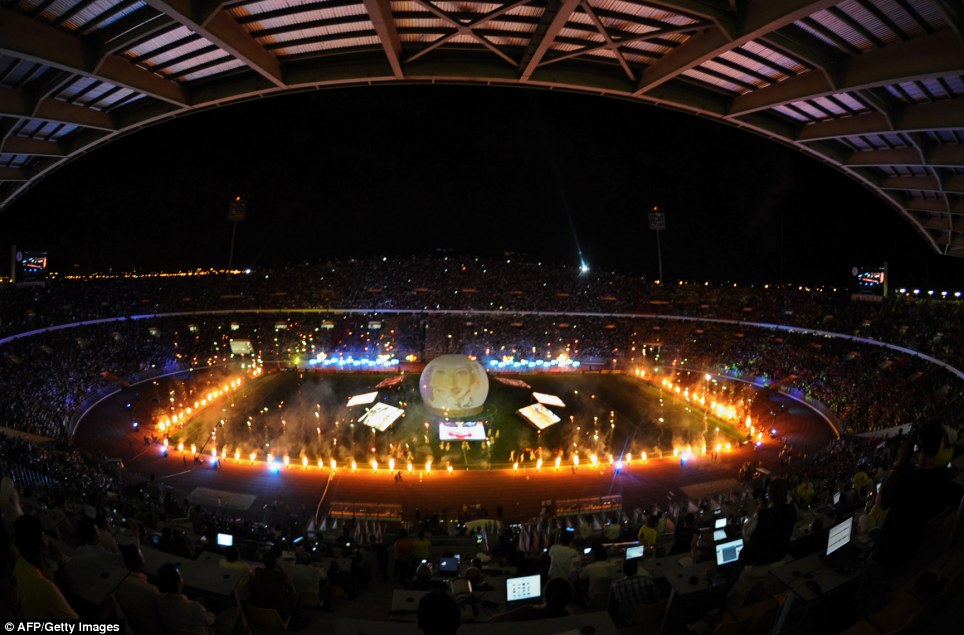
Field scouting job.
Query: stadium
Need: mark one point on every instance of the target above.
(340, 437)
(252, 421)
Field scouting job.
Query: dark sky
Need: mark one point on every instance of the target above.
(408, 170)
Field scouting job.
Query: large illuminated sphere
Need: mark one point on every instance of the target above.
(454, 386)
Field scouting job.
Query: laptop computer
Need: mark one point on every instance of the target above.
(719, 534)
(448, 567)
(636, 551)
(841, 554)
(728, 553)
(523, 590)
(720, 523)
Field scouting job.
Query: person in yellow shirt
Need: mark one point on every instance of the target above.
(40, 598)
(862, 483)
(647, 533)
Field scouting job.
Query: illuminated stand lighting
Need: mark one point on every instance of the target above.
(538, 364)
(324, 361)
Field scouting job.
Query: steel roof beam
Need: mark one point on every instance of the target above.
(936, 156)
(33, 147)
(643, 37)
(380, 13)
(933, 206)
(131, 30)
(16, 103)
(954, 14)
(758, 18)
(608, 40)
(12, 174)
(721, 17)
(809, 52)
(554, 18)
(947, 114)
(219, 28)
(923, 183)
(935, 55)
(23, 37)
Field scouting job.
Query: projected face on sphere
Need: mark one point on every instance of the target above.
(454, 385)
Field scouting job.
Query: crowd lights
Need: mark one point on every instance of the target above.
(525, 364)
(382, 361)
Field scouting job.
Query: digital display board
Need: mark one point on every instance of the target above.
(29, 266)
(870, 281)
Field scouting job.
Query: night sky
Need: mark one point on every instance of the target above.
(468, 171)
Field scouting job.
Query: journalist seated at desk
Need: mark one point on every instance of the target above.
(633, 591)
(180, 613)
(476, 577)
(307, 578)
(272, 587)
(423, 579)
(232, 560)
(138, 597)
(557, 595)
(597, 576)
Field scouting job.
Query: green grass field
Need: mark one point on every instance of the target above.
(304, 415)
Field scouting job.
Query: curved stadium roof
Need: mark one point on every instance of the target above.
(872, 87)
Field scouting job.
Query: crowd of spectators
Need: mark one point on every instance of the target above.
(511, 308)
(930, 324)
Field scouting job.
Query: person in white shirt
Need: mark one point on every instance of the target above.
(597, 576)
(564, 560)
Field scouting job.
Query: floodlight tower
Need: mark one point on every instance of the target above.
(236, 211)
(657, 223)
